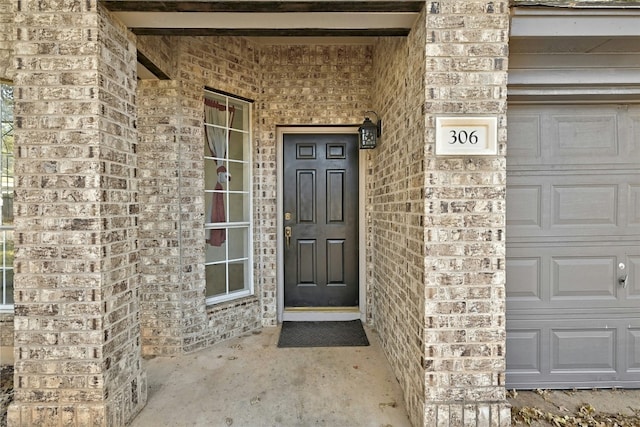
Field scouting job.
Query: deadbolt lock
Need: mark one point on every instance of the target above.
(287, 216)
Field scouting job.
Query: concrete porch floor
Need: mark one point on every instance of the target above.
(249, 381)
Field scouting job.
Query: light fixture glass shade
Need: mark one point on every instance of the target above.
(368, 134)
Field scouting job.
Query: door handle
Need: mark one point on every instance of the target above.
(623, 281)
(287, 234)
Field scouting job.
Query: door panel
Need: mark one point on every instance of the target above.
(321, 202)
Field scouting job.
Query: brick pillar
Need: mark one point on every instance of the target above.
(77, 332)
(173, 316)
(466, 74)
(158, 127)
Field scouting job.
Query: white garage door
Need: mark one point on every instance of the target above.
(573, 246)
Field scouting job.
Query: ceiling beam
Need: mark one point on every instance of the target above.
(273, 32)
(264, 6)
(268, 24)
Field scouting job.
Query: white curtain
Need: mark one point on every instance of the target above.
(216, 138)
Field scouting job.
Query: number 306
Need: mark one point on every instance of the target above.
(463, 136)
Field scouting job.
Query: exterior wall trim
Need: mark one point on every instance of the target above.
(530, 22)
(319, 315)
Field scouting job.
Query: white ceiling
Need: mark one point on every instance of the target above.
(239, 21)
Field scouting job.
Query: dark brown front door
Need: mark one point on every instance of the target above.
(321, 220)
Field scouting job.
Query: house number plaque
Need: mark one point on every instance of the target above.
(466, 136)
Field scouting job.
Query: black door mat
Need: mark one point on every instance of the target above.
(323, 334)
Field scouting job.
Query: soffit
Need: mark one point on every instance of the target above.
(268, 18)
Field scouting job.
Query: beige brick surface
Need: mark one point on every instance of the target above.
(110, 206)
(77, 333)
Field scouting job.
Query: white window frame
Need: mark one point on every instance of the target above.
(246, 225)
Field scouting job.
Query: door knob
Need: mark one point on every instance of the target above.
(287, 234)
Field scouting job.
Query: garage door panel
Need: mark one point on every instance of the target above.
(633, 352)
(573, 135)
(632, 133)
(584, 133)
(572, 205)
(585, 205)
(633, 206)
(584, 349)
(524, 350)
(577, 351)
(524, 202)
(583, 278)
(526, 273)
(526, 145)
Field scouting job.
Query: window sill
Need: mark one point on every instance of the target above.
(230, 301)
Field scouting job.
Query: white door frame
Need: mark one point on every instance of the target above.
(322, 314)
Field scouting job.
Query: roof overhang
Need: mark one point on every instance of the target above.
(569, 22)
(568, 54)
(268, 18)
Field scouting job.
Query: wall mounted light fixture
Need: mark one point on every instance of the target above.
(369, 132)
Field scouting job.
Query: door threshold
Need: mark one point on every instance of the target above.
(320, 314)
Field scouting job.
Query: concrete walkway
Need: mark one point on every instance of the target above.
(251, 382)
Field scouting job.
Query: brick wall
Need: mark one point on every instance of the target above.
(228, 64)
(175, 318)
(321, 84)
(78, 218)
(466, 74)
(438, 223)
(7, 36)
(302, 85)
(76, 279)
(160, 50)
(160, 265)
(396, 192)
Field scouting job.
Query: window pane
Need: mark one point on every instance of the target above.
(216, 279)
(215, 112)
(237, 275)
(7, 188)
(238, 145)
(215, 202)
(7, 282)
(6, 264)
(239, 176)
(211, 174)
(216, 250)
(216, 143)
(238, 207)
(238, 243)
(240, 119)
